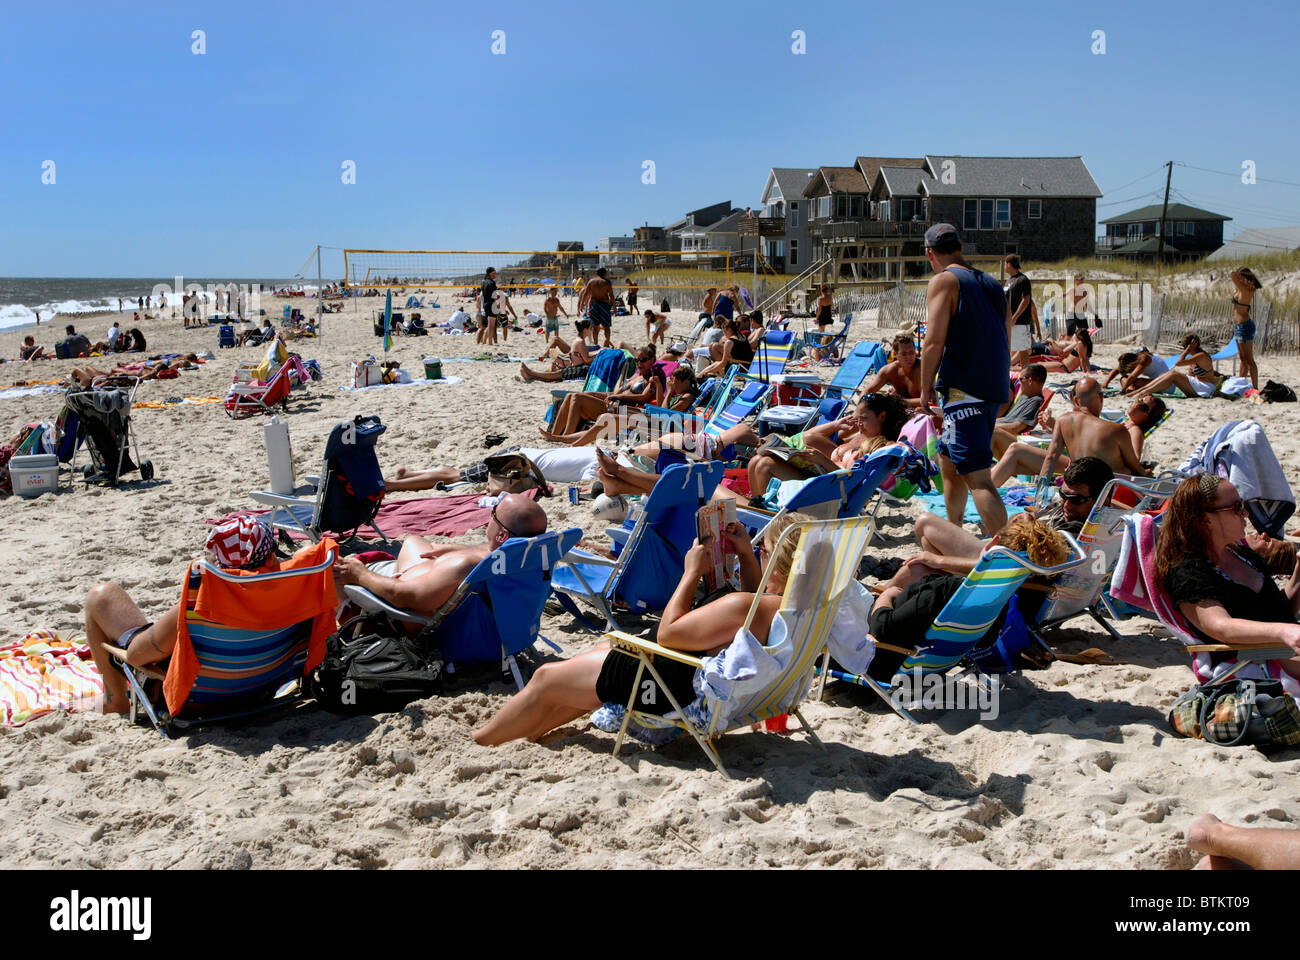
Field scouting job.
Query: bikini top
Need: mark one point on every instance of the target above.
(1238, 303)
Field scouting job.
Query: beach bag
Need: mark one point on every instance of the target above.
(1274, 392)
(372, 664)
(514, 473)
(1238, 712)
(366, 374)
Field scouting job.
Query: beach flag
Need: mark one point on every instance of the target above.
(388, 320)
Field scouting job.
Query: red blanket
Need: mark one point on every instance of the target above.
(448, 516)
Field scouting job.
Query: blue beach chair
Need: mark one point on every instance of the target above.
(1227, 353)
(497, 612)
(603, 376)
(771, 356)
(832, 342)
(866, 358)
(346, 495)
(647, 570)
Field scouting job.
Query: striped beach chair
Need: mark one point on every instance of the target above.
(771, 356)
(865, 359)
(823, 570)
(241, 672)
(968, 615)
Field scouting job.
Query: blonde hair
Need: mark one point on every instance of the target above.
(781, 561)
(872, 444)
(1043, 545)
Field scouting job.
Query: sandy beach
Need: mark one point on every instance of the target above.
(1080, 769)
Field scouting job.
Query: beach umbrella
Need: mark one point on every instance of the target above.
(388, 320)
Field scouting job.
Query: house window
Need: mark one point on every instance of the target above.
(970, 214)
(906, 209)
(1035, 210)
(1135, 231)
(986, 215)
(1004, 214)
(794, 213)
(824, 206)
(1010, 248)
(884, 209)
(794, 253)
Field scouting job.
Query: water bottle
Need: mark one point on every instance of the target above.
(1042, 492)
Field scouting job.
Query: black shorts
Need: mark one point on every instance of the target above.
(631, 301)
(614, 685)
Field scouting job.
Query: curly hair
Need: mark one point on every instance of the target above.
(891, 409)
(782, 560)
(1043, 545)
(1182, 535)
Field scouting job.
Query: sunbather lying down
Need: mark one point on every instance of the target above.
(425, 575)
(559, 693)
(147, 370)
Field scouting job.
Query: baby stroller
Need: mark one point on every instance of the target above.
(101, 418)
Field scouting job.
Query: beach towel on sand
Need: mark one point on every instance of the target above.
(450, 516)
(41, 673)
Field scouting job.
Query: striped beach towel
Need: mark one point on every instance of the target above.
(41, 673)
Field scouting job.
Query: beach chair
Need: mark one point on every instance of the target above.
(831, 342)
(226, 336)
(1227, 353)
(748, 403)
(497, 612)
(246, 399)
(100, 417)
(1082, 590)
(241, 671)
(968, 615)
(603, 376)
(345, 496)
(771, 356)
(822, 574)
(866, 358)
(646, 572)
(1135, 582)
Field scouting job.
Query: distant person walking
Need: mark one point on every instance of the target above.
(597, 298)
(487, 331)
(967, 345)
(1020, 307)
(1244, 330)
(1077, 306)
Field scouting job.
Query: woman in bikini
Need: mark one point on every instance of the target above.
(610, 427)
(1244, 279)
(560, 693)
(648, 386)
(734, 348)
(824, 317)
(1199, 381)
(1077, 359)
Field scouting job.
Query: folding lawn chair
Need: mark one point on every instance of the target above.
(969, 614)
(346, 495)
(246, 399)
(226, 336)
(647, 570)
(822, 577)
(745, 405)
(830, 342)
(866, 359)
(239, 670)
(497, 612)
(771, 356)
(1227, 353)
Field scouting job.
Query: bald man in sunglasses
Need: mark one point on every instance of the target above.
(425, 575)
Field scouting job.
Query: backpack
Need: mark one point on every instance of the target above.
(665, 306)
(514, 473)
(373, 665)
(1277, 393)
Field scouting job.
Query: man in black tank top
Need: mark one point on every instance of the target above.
(967, 349)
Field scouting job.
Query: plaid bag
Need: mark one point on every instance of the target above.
(1236, 712)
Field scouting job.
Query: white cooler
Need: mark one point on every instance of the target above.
(35, 474)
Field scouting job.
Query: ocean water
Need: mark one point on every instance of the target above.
(22, 297)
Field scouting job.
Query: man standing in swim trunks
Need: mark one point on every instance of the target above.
(598, 299)
(487, 332)
(967, 345)
(632, 290)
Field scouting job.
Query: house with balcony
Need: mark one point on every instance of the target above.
(720, 235)
(615, 251)
(1190, 233)
(780, 230)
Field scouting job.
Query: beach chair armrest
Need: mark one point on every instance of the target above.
(1280, 652)
(275, 499)
(371, 603)
(582, 556)
(118, 653)
(630, 644)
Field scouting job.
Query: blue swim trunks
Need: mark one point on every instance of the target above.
(967, 437)
(1245, 332)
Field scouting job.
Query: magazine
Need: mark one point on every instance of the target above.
(799, 459)
(710, 520)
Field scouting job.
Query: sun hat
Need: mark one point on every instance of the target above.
(240, 543)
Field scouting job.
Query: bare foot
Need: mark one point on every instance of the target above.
(1199, 832)
(526, 373)
(547, 435)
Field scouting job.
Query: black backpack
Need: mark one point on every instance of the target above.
(1278, 393)
(372, 665)
(665, 306)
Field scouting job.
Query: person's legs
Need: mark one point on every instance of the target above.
(555, 694)
(954, 491)
(1017, 459)
(1259, 848)
(1001, 440)
(422, 479)
(1246, 352)
(110, 612)
(993, 512)
(1163, 382)
(937, 535)
(576, 408)
(763, 468)
(545, 376)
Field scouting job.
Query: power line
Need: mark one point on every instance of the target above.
(1131, 182)
(1142, 196)
(1236, 206)
(1236, 175)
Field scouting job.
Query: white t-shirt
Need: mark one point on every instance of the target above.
(113, 334)
(532, 319)
(457, 320)
(564, 464)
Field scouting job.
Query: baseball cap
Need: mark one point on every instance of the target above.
(940, 232)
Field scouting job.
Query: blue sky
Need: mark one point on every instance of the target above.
(229, 163)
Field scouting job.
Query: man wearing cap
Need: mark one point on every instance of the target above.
(967, 348)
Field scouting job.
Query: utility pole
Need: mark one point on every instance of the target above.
(1160, 246)
(320, 302)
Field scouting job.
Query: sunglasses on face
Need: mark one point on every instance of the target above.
(1076, 497)
(1237, 506)
(509, 532)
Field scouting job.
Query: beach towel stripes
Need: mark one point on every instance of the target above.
(42, 673)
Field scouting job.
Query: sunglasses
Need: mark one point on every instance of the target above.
(509, 532)
(1076, 497)
(1237, 506)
